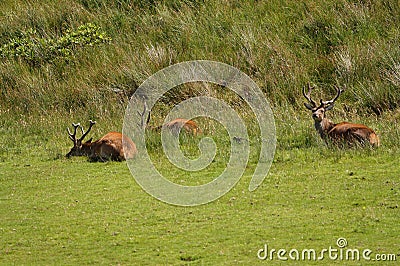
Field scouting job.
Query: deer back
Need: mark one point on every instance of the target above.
(175, 125)
(189, 125)
(351, 133)
(112, 146)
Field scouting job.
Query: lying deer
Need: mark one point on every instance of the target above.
(342, 133)
(175, 125)
(109, 147)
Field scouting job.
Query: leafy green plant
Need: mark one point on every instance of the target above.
(37, 50)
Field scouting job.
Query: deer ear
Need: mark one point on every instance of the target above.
(329, 107)
(308, 106)
(89, 141)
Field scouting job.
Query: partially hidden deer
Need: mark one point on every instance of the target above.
(174, 126)
(112, 146)
(343, 133)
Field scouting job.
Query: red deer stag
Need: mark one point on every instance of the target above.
(342, 133)
(175, 125)
(109, 147)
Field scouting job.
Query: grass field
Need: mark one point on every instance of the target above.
(73, 212)
(71, 61)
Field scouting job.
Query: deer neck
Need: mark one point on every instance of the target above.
(323, 127)
(87, 148)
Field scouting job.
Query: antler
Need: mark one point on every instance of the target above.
(142, 116)
(308, 96)
(338, 92)
(73, 136)
(85, 133)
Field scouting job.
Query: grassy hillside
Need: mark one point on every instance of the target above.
(280, 45)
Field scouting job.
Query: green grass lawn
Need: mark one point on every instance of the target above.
(75, 212)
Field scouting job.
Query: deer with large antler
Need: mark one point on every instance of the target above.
(175, 125)
(341, 133)
(112, 146)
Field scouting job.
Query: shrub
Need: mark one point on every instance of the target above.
(37, 50)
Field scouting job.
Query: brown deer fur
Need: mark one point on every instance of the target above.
(341, 133)
(112, 146)
(175, 125)
(189, 125)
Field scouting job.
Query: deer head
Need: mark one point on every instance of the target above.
(318, 111)
(77, 149)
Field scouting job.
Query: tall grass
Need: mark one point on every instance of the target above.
(281, 45)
